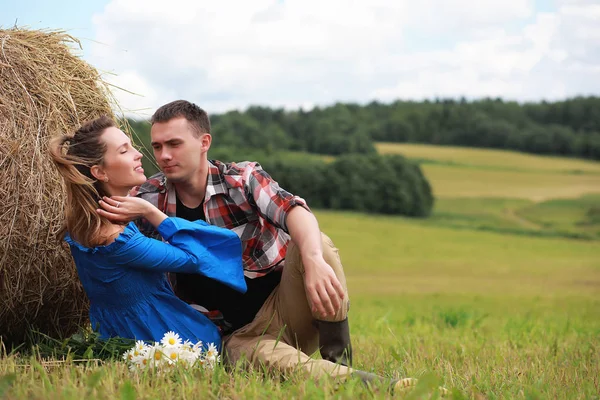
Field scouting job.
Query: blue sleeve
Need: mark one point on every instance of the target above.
(194, 247)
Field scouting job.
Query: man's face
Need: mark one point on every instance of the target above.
(177, 149)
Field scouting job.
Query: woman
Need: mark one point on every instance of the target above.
(122, 271)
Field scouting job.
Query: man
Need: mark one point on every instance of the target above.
(297, 300)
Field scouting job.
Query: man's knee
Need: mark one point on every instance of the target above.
(327, 242)
(331, 254)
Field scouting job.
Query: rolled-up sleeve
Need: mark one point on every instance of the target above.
(272, 202)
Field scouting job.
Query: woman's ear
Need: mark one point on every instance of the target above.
(98, 173)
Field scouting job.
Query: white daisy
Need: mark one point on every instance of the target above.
(172, 354)
(140, 361)
(211, 356)
(170, 351)
(141, 347)
(188, 357)
(156, 355)
(171, 339)
(197, 347)
(128, 355)
(211, 352)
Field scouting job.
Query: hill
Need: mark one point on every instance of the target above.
(509, 191)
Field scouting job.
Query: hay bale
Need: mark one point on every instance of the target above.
(46, 90)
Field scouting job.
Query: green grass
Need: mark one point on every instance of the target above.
(456, 181)
(490, 158)
(569, 215)
(384, 255)
(494, 315)
(489, 315)
(509, 192)
(571, 218)
(468, 172)
(495, 296)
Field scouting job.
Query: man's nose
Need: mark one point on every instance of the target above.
(165, 155)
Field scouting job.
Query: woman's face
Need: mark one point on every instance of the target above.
(122, 163)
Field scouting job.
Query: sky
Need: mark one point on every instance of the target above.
(225, 55)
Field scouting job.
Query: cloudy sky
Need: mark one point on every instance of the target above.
(300, 53)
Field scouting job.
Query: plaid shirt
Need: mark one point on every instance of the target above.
(241, 197)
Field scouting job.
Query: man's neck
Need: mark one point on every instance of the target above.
(191, 192)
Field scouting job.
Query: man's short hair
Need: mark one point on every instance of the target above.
(196, 116)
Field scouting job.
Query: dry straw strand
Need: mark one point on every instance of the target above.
(46, 91)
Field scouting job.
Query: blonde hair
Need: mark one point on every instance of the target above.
(74, 155)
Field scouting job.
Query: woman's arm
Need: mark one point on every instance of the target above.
(193, 247)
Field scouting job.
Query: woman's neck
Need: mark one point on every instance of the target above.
(118, 191)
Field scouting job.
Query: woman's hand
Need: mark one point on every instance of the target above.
(120, 209)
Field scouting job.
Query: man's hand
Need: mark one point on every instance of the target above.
(324, 290)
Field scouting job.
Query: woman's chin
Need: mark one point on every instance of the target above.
(141, 180)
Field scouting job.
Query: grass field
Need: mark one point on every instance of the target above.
(466, 172)
(494, 315)
(495, 296)
(510, 192)
(490, 158)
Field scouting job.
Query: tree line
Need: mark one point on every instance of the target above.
(570, 127)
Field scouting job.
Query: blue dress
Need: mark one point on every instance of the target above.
(126, 284)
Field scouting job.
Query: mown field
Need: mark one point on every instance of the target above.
(495, 296)
(509, 192)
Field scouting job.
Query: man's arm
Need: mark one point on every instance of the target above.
(324, 290)
(290, 213)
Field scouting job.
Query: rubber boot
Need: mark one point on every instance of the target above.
(334, 341)
(369, 378)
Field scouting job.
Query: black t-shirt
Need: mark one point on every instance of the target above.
(238, 309)
(191, 214)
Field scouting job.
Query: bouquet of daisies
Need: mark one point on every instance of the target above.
(169, 353)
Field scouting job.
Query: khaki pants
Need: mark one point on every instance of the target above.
(282, 335)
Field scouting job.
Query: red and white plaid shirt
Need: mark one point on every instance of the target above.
(241, 197)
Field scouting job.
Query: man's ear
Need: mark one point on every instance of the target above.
(98, 173)
(206, 140)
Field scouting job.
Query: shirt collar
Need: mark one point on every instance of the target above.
(215, 183)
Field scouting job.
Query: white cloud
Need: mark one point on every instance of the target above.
(135, 95)
(293, 53)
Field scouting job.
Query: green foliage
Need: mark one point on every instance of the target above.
(85, 344)
(491, 123)
(570, 127)
(369, 183)
(334, 131)
(128, 391)
(6, 381)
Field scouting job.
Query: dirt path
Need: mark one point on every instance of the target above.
(510, 214)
